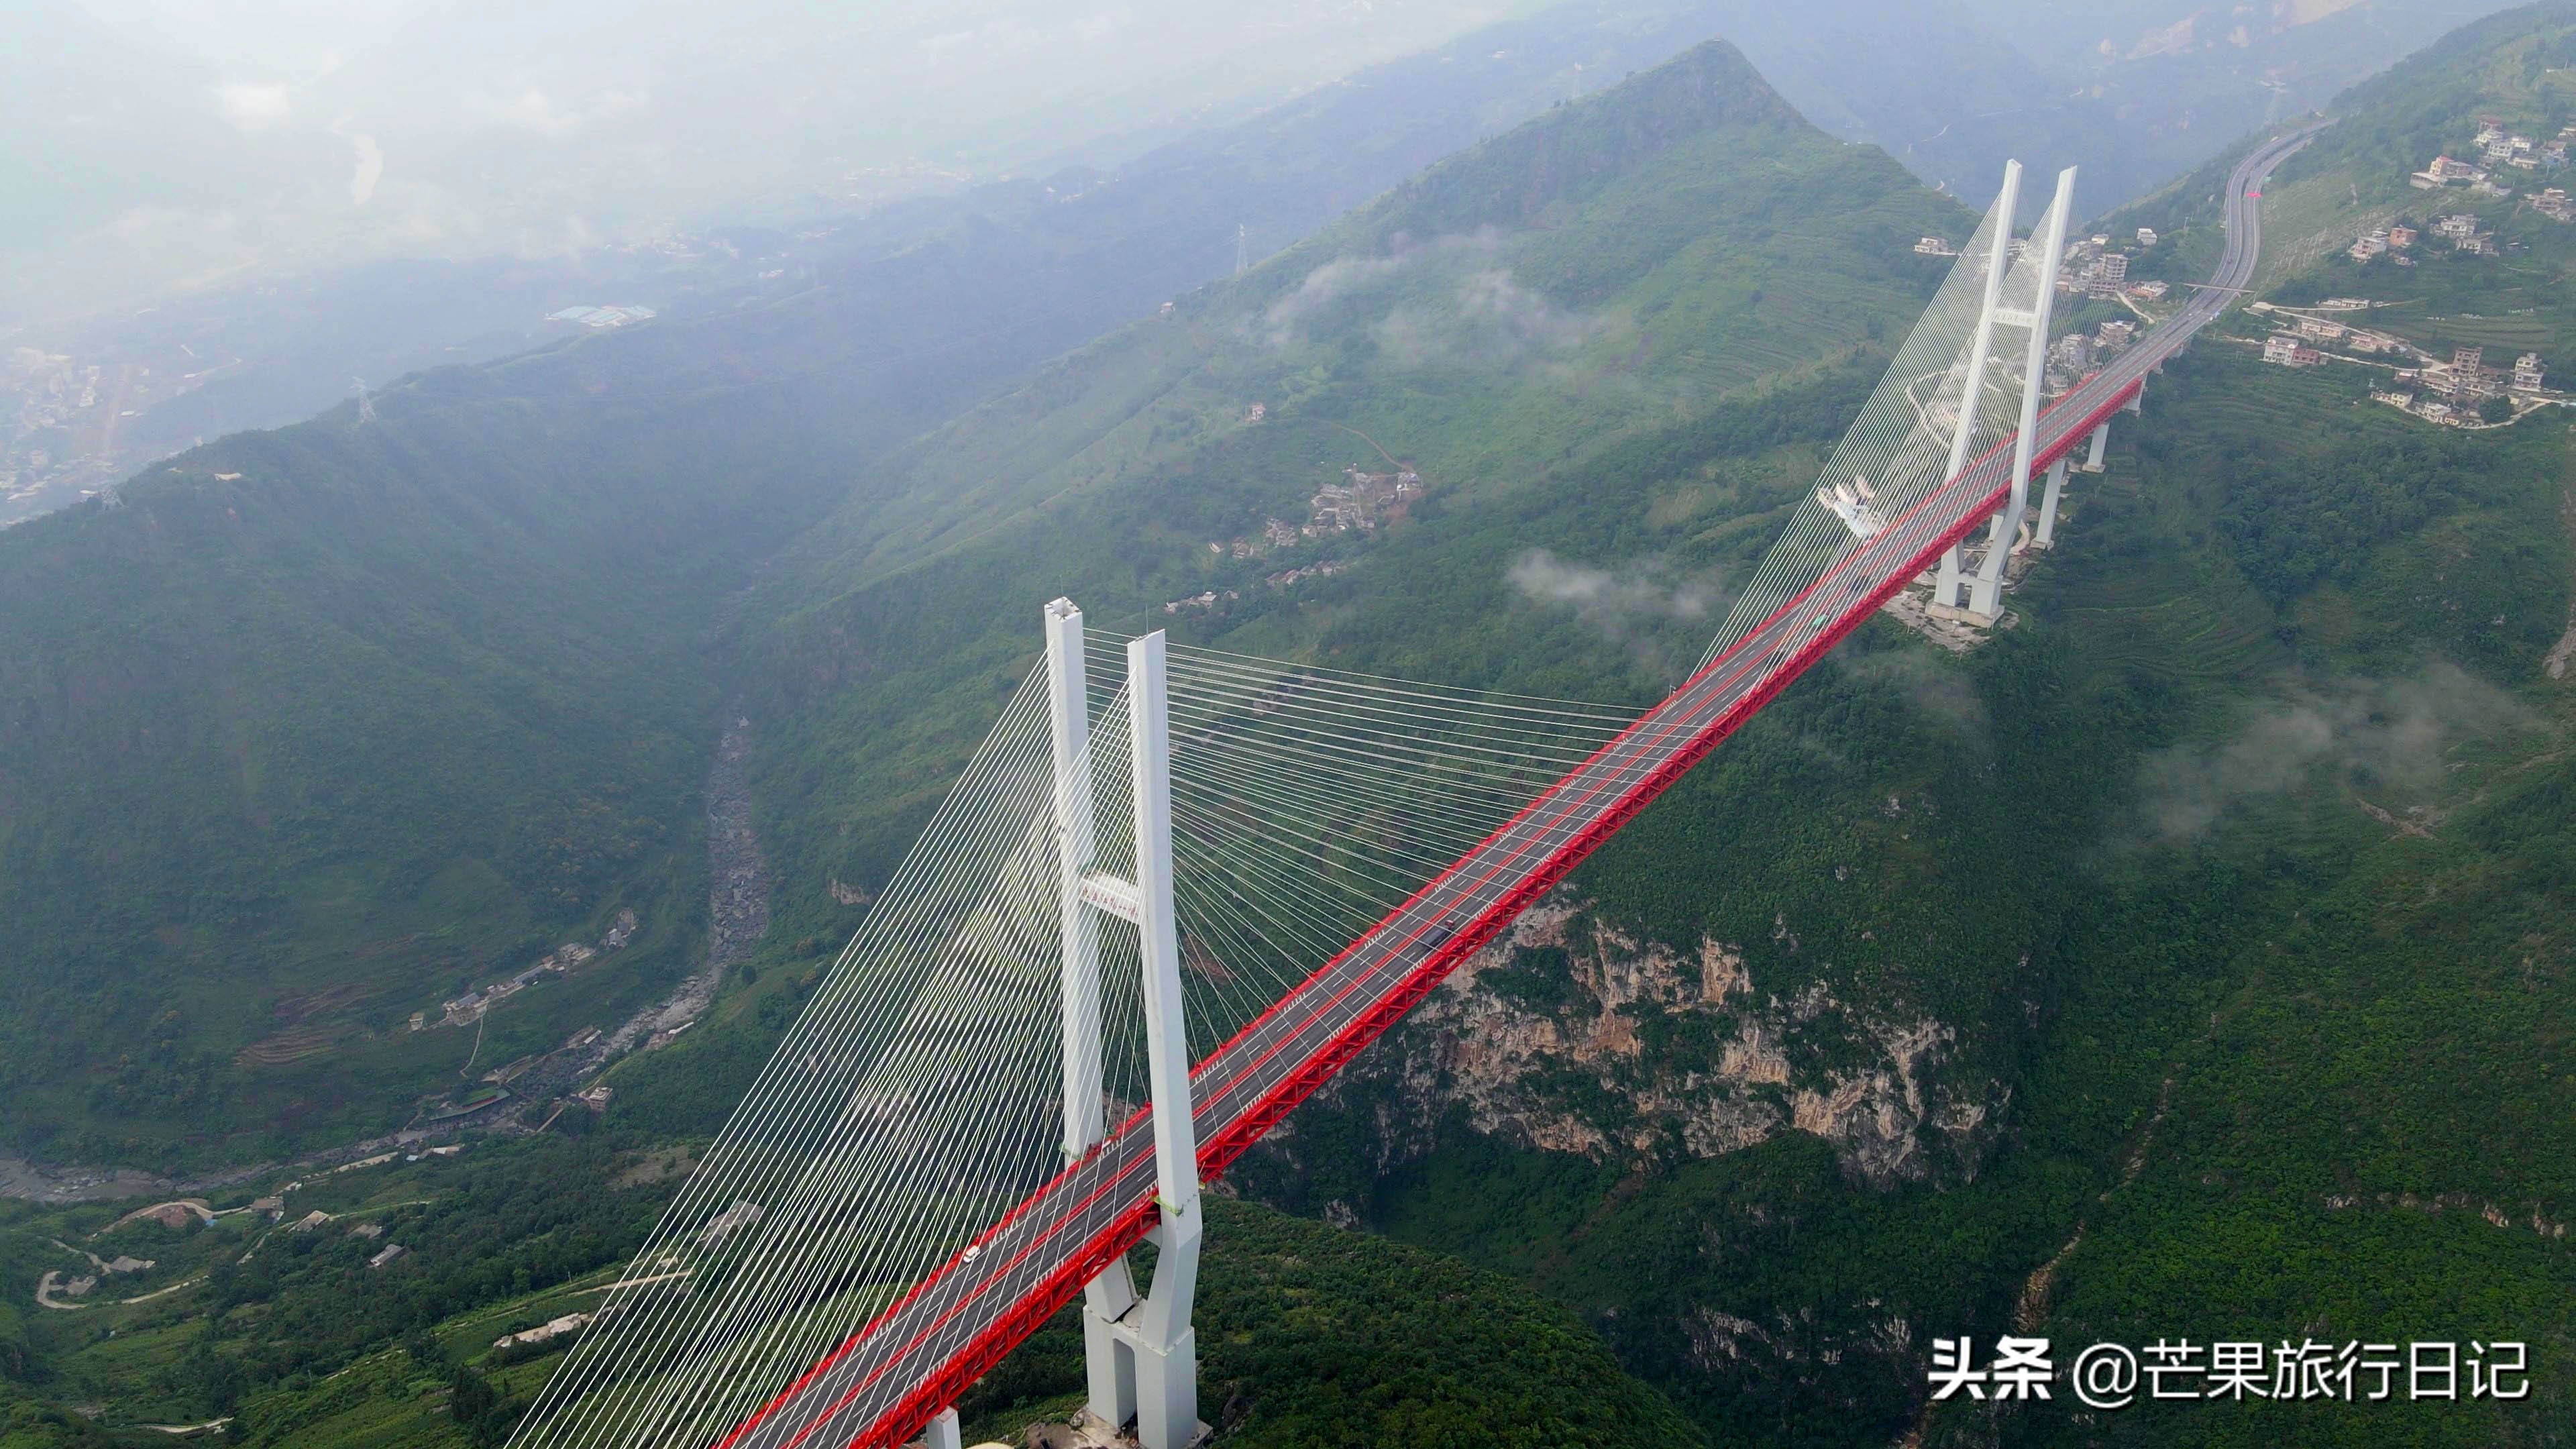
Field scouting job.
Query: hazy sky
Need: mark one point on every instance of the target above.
(272, 39)
(158, 142)
(153, 144)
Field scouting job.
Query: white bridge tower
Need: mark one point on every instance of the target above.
(1140, 1352)
(1984, 592)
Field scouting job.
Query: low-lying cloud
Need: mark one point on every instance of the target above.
(1344, 277)
(1629, 606)
(252, 107)
(2391, 738)
(532, 110)
(1490, 321)
(1933, 686)
(1463, 311)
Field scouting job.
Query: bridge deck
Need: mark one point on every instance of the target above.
(882, 1385)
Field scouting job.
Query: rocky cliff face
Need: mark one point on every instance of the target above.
(1570, 1035)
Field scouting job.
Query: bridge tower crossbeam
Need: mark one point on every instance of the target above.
(1140, 1352)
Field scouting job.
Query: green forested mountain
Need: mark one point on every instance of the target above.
(2514, 67)
(310, 730)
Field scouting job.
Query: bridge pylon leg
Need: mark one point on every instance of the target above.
(1107, 1298)
(1946, 583)
(1140, 1353)
(1165, 1346)
(1985, 593)
(942, 1432)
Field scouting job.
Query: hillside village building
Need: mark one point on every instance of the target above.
(551, 1329)
(744, 1213)
(2443, 172)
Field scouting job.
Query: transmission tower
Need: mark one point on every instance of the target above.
(366, 404)
(1242, 249)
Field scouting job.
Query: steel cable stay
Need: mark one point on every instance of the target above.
(794, 1125)
(915, 1098)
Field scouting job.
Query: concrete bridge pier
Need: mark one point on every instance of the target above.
(2047, 535)
(2101, 445)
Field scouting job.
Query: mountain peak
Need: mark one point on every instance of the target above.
(1573, 150)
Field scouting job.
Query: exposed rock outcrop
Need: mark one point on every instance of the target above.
(1571, 1035)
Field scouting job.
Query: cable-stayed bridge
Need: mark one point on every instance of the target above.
(1178, 878)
